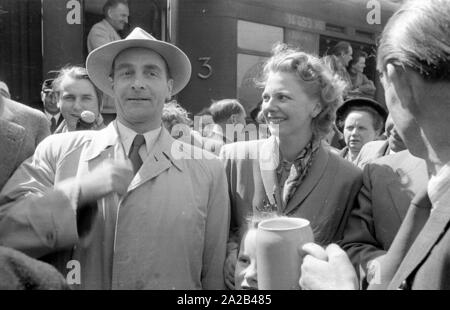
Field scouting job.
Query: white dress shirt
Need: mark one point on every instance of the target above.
(127, 136)
(438, 185)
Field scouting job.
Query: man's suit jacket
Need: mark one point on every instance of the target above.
(371, 151)
(58, 123)
(325, 196)
(21, 130)
(419, 257)
(389, 185)
(100, 34)
(20, 272)
(169, 231)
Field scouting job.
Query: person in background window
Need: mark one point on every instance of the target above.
(338, 60)
(361, 85)
(116, 14)
(50, 104)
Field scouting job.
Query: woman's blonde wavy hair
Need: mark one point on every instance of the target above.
(316, 79)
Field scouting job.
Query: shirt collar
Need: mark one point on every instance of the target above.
(439, 184)
(49, 116)
(127, 136)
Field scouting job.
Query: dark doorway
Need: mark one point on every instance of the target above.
(21, 50)
(147, 14)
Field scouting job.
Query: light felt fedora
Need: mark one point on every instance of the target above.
(99, 61)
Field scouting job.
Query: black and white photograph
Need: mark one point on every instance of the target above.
(222, 146)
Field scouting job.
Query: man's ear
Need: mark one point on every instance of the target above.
(58, 101)
(402, 82)
(111, 80)
(169, 88)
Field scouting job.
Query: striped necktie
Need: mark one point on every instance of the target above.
(53, 124)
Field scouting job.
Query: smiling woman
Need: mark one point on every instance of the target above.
(295, 173)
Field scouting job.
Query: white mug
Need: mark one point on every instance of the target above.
(277, 258)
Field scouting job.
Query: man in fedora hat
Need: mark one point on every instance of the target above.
(121, 202)
(361, 120)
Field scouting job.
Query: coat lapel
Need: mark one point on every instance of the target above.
(159, 160)
(11, 140)
(409, 171)
(427, 238)
(269, 159)
(314, 175)
(106, 145)
(102, 141)
(410, 228)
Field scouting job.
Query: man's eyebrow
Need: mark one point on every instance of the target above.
(147, 67)
(153, 67)
(123, 66)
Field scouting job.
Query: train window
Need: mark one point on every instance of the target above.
(258, 37)
(364, 34)
(249, 68)
(255, 42)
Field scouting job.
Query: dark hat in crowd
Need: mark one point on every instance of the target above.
(47, 85)
(358, 102)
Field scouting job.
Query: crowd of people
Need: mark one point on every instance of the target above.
(154, 199)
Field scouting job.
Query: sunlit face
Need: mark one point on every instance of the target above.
(346, 57)
(50, 101)
(245, 277)
(76, 96)
(358, 130)
(405, 124)
(119, 16)
(395, 141)
(141, 86)
(360, 65)
(286, 107)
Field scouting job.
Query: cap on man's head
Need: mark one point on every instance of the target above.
(100, 61)
(4, 90)
(47, 85)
